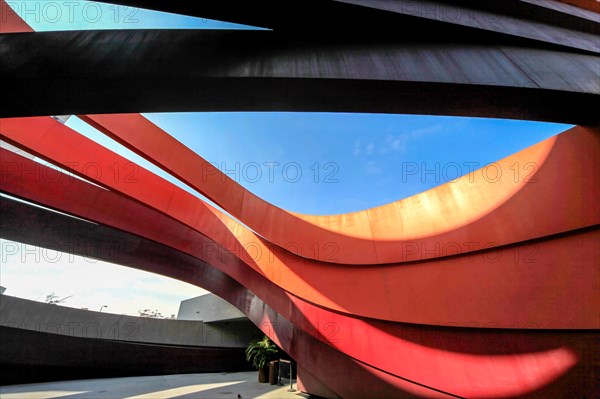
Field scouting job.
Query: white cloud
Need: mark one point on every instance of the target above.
(419, 133)
(400, 142)
(396, 144)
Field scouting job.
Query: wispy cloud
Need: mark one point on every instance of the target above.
(400, 142)
(394, 143)
(419, 133)
(357, 149)
(397, 144)
(370, 147)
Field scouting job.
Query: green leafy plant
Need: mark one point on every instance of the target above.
(260, 352)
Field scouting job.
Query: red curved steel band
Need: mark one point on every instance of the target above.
(351, 377)
(394, 230)
(356, 379)
(10, 21)
(43, 185)
(425, 362)
(486, 199)
(341, 289)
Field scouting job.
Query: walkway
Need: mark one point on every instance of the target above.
(188, 386)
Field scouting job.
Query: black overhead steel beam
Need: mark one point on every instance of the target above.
(56, 73)
(275, 14)
(425, 19)
(545, 11)
(512, 18)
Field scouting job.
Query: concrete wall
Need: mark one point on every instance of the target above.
(55, 319)
(208, 308)
(31, 356)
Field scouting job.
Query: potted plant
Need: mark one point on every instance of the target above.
(259, 353)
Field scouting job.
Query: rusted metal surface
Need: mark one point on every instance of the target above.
(491, 357)
(417, 293)
(156, 71)
(390, 233)
(508, 315)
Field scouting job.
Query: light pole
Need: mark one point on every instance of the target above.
(102, 307)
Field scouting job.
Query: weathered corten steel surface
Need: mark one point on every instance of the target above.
(488, 356)
(456, 58)
(547, 21)
(529, 292)
(55, 231)
(396, 300)
(576, 33)
(392, 233)
(584, 4)
(155, 71)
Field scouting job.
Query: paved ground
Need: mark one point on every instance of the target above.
(188, 386)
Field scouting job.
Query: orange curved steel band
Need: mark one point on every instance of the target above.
(386, 234)
(410, 261)
(416, 293)
(84, 200)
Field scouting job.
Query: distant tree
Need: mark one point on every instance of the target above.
(52, 299)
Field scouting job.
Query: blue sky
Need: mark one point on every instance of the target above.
(317, 163)
(347, 162)
(49, 15)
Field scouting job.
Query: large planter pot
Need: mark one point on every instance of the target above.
(263, 374)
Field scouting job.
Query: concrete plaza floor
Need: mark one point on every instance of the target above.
(188, 386)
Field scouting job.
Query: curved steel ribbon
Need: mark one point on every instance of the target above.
(412, 261)
(416, 292)
(423, 345)
(473, 209)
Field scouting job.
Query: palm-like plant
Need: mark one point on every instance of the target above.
(260, 352)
